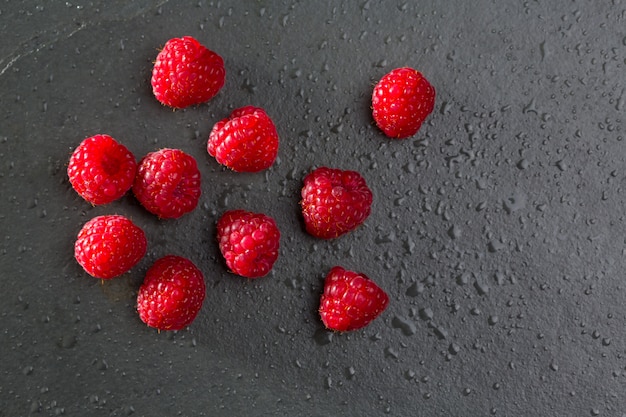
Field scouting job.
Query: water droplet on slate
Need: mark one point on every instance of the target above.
(391, 353)
(515, 202)
(407, 327)
(323, 337)
(426, 314)
(415, 289)
(481, 288)
(463, 278)
(454, 348)
(68, 341)
(454, 232)
(495, 245)
(440, 332)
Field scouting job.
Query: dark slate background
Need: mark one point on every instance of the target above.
(498, 230)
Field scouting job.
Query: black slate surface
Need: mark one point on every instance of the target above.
(498, 230)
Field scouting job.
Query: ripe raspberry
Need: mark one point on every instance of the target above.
(350, 300)
(168, 183)
(249, 242)
(334, 202)
(401, 101)
(108, 246)
(186, 73)
(101, 170)
(172, 294)
(246, 141)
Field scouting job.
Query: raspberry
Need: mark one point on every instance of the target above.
(172, 294)
(249, 242)
(401, 101)
(186, 73)
(108, 246)
(168, 183)
(101, 170)
(350, 300)
(246, 141)
(334, 202)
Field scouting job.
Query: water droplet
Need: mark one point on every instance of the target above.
(463, 279)
(561, 165)
(440, 332)
(407, 327)
(68, 341)
(426, 314)
(481, 288)
(515, 202)
(391, 353)
(454, 232)
(415, 289)
(323, 337)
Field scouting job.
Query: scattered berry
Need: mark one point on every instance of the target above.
(401, 101)
(334, 202)
(108, 246)
(101, 170)
(172, 294)
(186, 73)
(246, 141)
(249, 242)
(350, 300)
(168, 183)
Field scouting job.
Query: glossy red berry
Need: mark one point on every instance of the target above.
(334, 202)
(101, 170)
(401, 101)
(110, 245)
(249, 242)
(186, 73)
(350, 300)
(247, 141)
(168, 183)
(172, 293)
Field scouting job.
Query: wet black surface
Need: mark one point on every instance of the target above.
(498, 230)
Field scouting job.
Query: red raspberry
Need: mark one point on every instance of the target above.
(168, 183)
(334, 202)
(246, 141)
(108, 246)
(186, 73)
(401, 101)
(172, 294)
(350, 300)
(249, 242)
(101, 170)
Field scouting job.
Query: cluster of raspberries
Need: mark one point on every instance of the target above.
(167, 183)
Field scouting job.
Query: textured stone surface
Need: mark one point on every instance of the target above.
(498, 230)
